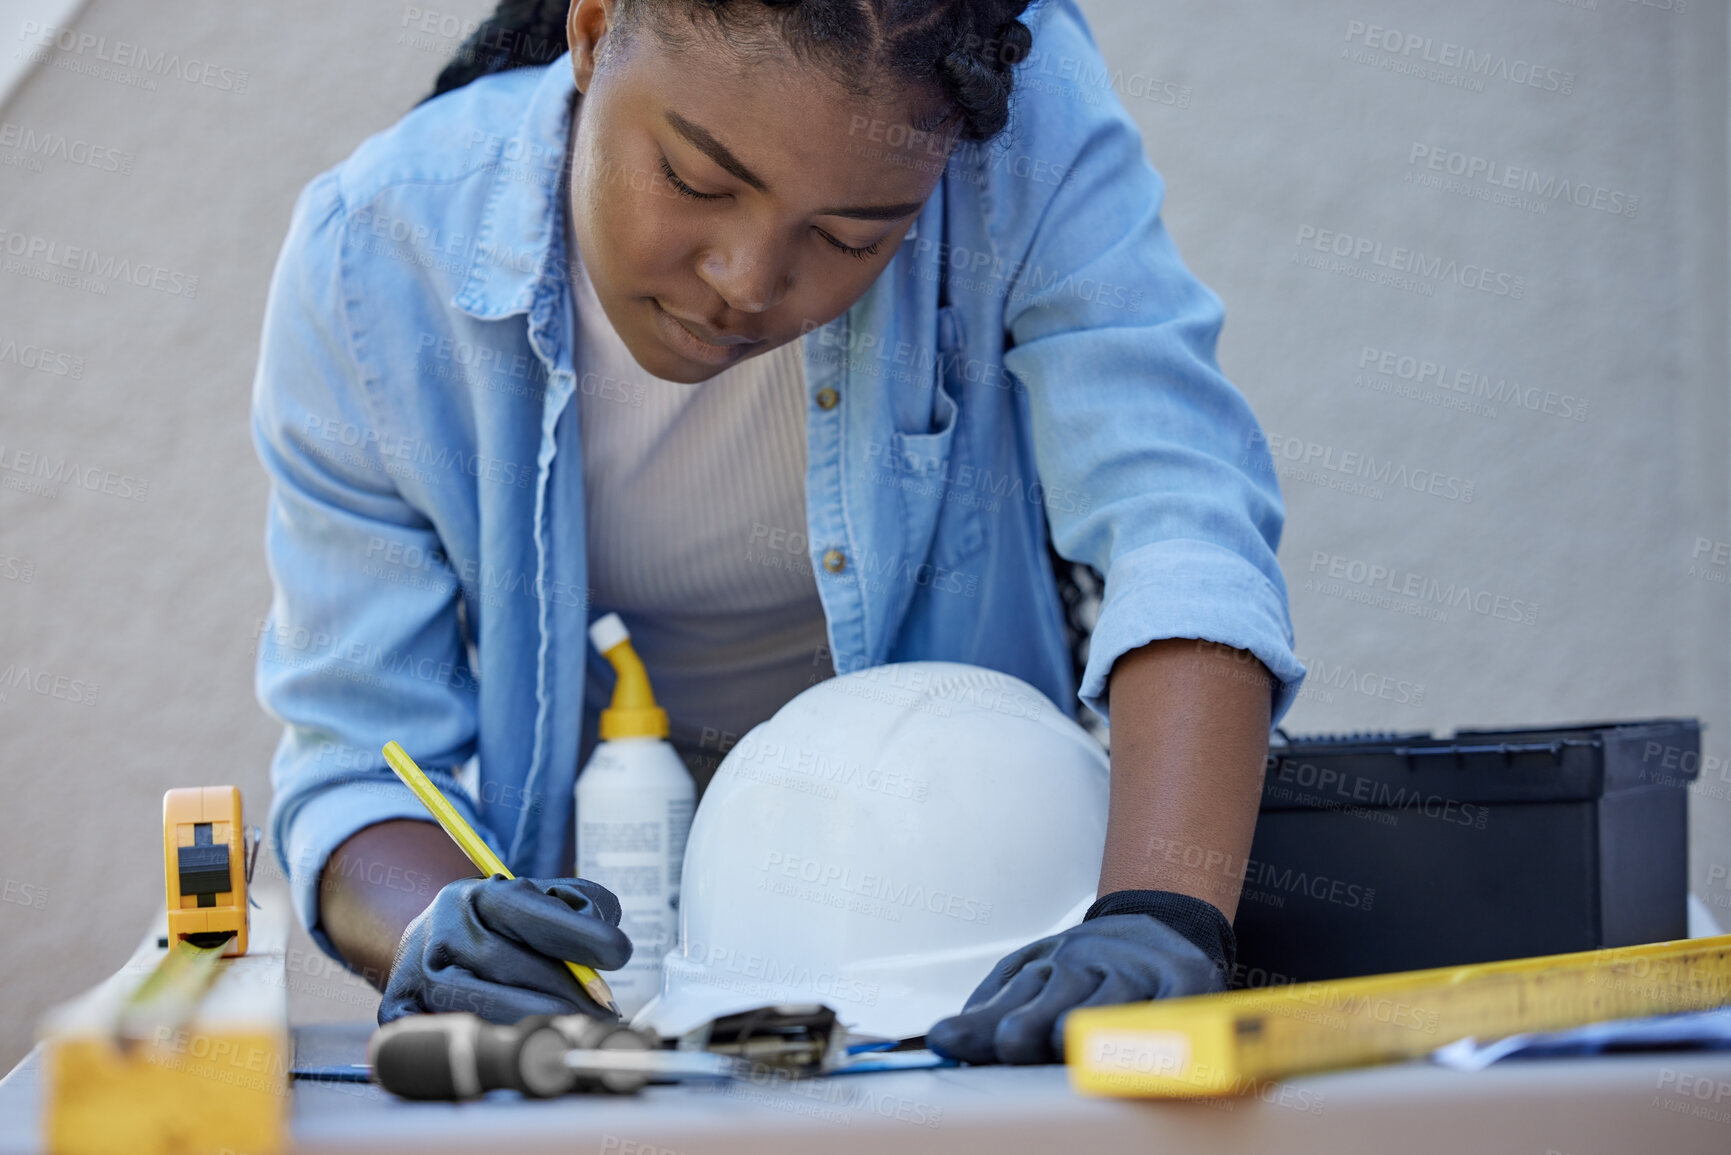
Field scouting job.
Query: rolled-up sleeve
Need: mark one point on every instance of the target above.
(1114, 338)
(345, 660)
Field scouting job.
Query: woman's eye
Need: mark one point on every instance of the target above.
(870, 250)
(684, 189)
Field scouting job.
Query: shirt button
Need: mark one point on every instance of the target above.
(827, 398)
(835, 561)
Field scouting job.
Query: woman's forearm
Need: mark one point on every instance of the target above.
(1189, 739)
(377, 881)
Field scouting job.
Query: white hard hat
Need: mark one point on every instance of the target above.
(879, 844)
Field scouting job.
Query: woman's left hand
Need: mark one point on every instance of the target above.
(1017, 1014)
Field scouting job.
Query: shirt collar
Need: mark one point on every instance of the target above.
(520, 243)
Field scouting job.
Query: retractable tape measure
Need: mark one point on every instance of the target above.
(208, 855)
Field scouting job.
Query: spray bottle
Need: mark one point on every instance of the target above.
(634, 804)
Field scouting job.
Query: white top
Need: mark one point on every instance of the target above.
(695, 501)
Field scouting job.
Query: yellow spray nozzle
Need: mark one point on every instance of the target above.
(633, 713)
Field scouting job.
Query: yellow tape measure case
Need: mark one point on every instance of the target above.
(205, 866)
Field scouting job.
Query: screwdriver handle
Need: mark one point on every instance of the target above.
(459, 1056)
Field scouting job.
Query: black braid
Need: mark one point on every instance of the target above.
(519, 34)
(966, 48)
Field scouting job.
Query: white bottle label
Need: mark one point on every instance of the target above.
(635, 847)
(678, 827)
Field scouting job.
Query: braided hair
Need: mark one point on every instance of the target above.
(965, 48)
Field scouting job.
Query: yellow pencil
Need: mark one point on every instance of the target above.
(478, 851)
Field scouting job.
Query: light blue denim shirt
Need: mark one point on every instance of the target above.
(1036, 354)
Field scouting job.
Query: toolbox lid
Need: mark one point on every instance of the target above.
(1525, 764)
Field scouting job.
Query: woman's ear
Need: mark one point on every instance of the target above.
(585, 27)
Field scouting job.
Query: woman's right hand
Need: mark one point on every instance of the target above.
(497, 948)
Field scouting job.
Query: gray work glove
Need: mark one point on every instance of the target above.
(1017, 1014)
(496, 947)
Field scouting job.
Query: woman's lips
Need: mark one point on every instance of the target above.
(686, 342)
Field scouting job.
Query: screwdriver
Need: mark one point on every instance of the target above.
(478, 851)
(458, 1056)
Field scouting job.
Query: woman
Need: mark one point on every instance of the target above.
(793, 331)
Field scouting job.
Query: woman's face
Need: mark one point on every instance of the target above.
(724, 208)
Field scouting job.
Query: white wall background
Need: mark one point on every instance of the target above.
(1268, 121)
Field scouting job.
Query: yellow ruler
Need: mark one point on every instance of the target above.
(1229, 1043)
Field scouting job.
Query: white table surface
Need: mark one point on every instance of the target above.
(1661, 1104)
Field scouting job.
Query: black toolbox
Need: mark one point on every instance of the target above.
(1391, 852)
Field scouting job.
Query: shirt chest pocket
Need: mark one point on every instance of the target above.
(930, 470)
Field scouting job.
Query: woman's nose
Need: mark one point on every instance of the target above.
(750, 278)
